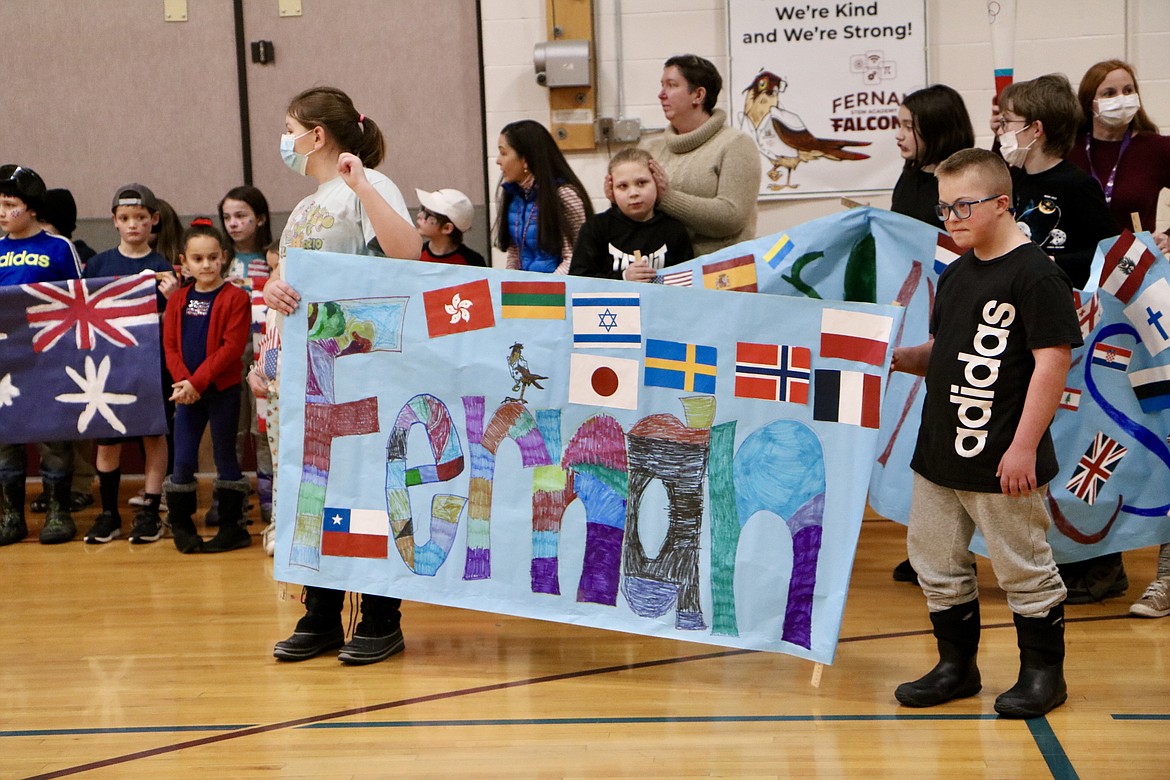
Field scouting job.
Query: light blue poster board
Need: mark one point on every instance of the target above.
(585, 451)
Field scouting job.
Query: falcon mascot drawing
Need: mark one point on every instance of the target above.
(781, 136)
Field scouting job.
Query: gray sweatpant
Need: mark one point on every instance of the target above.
(942, 522)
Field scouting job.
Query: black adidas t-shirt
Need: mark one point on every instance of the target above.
(988, 317)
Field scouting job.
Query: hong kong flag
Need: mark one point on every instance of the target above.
(459, 309)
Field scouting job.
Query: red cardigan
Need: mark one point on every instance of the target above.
(227, 335)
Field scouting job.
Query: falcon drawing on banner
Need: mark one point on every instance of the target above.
(518, 368)
(781, 135)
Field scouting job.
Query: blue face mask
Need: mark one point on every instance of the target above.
(296, 161)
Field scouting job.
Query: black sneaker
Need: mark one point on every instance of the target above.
(106, 528)
(148, 527)
(79, 501)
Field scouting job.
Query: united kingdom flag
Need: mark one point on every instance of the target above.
(107, 310)
(1095, 467)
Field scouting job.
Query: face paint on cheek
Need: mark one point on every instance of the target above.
(16, 212)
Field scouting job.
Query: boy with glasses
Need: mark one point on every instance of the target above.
(1059, 206)
(1002, 332)
(443, 217)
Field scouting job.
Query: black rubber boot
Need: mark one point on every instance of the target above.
(956, 675)
(181, 501)
(379, 634)
(59, 525)
(233, 528)
(13, 527)
(1040, 687)
(319, 630)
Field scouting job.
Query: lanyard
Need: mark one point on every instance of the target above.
(1107, 187)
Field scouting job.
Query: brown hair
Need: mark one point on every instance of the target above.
(168, 232)
(332, 110)
(987, 165)
(630, 154)
(699, 72)
(1087, 91)
(1048, 99)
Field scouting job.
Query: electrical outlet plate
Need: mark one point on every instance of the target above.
(627, 131)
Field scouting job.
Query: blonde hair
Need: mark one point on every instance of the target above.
(630, 154)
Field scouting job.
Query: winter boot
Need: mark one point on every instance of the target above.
(379, 634)
(956, 676)
(233, 527)
(319, 630)
(1040, 687)
(59, 525)
(12, 525)
(181, 500)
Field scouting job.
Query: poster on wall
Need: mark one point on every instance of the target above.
(818, 86)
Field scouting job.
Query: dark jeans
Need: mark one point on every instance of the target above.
(56, 462)
(220, 408)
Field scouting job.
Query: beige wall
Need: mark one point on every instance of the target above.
(1065, 36)
(98, 94)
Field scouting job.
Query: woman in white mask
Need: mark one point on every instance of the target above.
(1119, 145)
(1058, 205)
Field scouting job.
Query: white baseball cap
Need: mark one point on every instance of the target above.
(452, 204)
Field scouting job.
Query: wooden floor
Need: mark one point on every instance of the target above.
(122, 661)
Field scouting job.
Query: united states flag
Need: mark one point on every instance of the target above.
(1095, 467)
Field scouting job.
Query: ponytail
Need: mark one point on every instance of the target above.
(332, 110)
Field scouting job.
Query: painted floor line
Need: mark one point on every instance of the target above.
(442, 695)
(1051, 749)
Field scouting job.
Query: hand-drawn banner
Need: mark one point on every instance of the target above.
(679, 463)
(1113, 489)
(818, 86)
(80, 359)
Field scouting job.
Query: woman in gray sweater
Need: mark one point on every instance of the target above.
(708, 174)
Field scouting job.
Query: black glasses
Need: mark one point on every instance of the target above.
(428, 214)
(960, 208)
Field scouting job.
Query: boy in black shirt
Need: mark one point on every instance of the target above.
(1002, 332)
(633, 241)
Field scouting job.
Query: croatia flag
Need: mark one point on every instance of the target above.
(355, 533)
(855, 335)
(772, 372)
(1111, 356)
(1126, 264)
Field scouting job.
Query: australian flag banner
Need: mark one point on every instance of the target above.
(80, 359)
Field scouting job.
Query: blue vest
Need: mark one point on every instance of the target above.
(523, 219)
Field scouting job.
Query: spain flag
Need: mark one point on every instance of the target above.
(738, 273)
